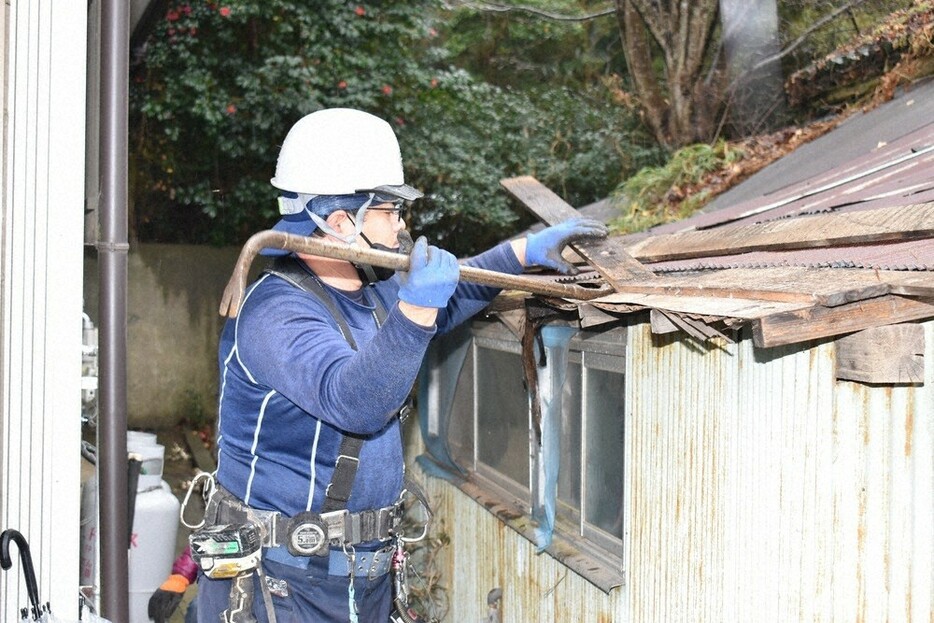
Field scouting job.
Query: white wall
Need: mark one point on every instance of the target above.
(40, 312)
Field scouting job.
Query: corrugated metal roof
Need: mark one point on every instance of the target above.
(894, 173)
(792, 225)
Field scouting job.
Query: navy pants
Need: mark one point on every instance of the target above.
(313, 595)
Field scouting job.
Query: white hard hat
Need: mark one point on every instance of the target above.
(341, 151)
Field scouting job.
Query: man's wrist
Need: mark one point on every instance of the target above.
(422, 316)
(518, 247)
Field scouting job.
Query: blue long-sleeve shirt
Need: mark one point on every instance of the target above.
(291, 386)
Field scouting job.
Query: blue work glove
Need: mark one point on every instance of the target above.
(431, 278)
(544, 248)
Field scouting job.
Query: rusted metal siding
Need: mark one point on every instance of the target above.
(758, 488)
(484, 553)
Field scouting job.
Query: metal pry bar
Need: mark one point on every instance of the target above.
(270, 239)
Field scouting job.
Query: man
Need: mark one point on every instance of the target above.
(317, 366)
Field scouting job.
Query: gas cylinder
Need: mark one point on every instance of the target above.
(153, 537)
(152, 546)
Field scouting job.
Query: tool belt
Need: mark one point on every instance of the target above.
(308, 533)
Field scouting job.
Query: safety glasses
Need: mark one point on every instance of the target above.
(398, 210)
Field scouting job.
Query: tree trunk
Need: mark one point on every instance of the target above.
(679, 103)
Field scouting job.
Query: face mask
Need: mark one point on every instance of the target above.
(373, 274)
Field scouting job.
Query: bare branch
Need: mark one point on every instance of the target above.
(490, 7)
(807, 33)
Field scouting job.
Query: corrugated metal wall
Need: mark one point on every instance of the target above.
(40, 327)
(758, 488)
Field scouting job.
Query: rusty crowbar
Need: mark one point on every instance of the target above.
(270, 239)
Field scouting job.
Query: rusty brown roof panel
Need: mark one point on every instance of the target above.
(907, 161)
(920, 194)
(894, 183)
(911, 255)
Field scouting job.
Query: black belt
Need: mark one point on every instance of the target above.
(308, 533)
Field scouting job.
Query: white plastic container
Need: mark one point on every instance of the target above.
(152, 544)
(154, 534)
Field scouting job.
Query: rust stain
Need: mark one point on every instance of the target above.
(908, 605)
(860, 547)
(909, 423)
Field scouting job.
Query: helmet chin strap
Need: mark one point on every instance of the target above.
(371, 274)
(357, 222)
(323, 226)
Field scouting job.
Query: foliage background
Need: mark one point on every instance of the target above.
(218, 84)
(476, 91)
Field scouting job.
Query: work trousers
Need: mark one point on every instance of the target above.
(313, 595)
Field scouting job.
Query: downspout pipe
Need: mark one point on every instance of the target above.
(113, 250)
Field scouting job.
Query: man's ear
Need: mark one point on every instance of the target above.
(338, 220)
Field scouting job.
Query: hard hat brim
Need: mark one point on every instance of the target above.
(402, 191)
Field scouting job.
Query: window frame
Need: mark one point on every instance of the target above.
(585, 547)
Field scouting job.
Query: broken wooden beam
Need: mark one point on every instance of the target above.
(891, 355)
(812, 323)
(608, 256)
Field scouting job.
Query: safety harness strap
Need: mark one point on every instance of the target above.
(288, 268)
(345, 471)
(345, 468)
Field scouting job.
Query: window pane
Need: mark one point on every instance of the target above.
(569, 474)
(460, 427)
(604, 478)
(502, 414)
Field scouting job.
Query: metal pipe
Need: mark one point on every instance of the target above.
(112, 252)
(269, 239)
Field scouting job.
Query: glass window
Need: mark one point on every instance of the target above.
(502, 413)
(604, 449)
(569, 476)
(489, 431)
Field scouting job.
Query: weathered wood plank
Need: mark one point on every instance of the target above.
(891, 355)
(591, 316)
(790, 327)
(607, 256)
(805, 232)
(660, 323)
(815, 286)
(909, 283)
(822, 286)
(724, 307)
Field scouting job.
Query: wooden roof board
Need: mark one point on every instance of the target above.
(608, 256)
(804, 286)
(821, 230)
(800, 325)
(913, 255)
(744, 308)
